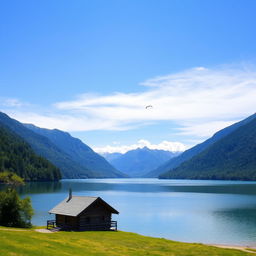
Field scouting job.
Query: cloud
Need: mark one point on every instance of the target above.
(12, 103)
(206, 129)
(164, 145)
(198, 94)
(65, 122)
(198, 101)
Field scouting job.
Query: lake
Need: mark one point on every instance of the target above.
(222, 212)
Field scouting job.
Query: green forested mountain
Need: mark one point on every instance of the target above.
(232, 157)
(44, 147)
(140, 161)
(79, 152)
(188, 154)
(18, 157)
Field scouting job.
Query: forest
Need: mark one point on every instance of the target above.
(18, 157)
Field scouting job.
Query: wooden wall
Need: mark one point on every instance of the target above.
(95, 217)
(96, 214)
(63, 220)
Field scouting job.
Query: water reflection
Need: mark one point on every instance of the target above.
(140, 185)
(155, 185)
(40, 187)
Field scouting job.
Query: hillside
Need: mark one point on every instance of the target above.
(232, 157)
(17, 156)
(45, 148)
(101, 243)
(140, 161)
(188, 154)
(78, 151)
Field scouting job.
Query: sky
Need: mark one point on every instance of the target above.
(92, 67)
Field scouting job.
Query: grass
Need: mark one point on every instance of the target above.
(29, 242)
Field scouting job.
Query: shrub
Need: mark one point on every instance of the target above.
(15, 212)
(11, 178)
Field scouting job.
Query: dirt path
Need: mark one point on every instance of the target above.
(43, 230)
(11, 229)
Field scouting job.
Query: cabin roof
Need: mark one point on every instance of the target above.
(77, 204)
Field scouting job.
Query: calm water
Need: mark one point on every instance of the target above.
(193, 211)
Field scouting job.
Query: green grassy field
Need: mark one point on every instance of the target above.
(30, 242)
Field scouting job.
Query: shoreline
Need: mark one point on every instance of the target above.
(250, 249)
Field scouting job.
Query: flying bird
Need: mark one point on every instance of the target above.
(148, 106)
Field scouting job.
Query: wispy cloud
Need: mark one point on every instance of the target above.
(204, 129)
(164, 145)
(199, 101)
(66, 122)
(12, 103)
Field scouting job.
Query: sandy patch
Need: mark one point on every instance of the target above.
(241, 248)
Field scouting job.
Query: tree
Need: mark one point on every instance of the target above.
(14, 212)
(11, 178)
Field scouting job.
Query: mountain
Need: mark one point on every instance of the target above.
(47, 149)
(111, 156)
(233, 157)
(188, 154)
(78, 151)
(140, 161)
(17, 156)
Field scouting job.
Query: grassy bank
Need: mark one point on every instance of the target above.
(30, 242)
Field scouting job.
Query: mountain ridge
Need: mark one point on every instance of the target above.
(232, 157)
(17, 156)
(45, 148)
(78, 151)
(188, 154)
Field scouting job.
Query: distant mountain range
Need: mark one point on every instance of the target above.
(70, 155)
(188, 154)
(229, 154)
(17, 156)
(111, 156)
(138, 162)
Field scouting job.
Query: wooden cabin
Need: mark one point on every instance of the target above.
(83, 213)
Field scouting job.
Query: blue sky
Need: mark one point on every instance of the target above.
(91, 67)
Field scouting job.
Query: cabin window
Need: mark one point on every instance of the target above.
(88, 219)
